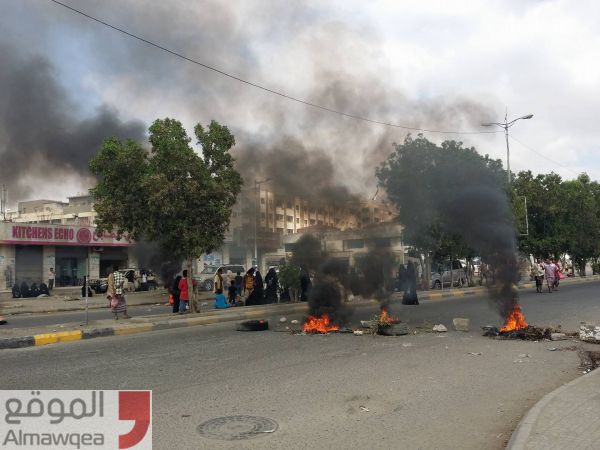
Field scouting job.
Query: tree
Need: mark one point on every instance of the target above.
(170, 195)
(449, 198)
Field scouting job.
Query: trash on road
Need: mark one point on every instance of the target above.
(364, 408)
(461, 324)
(283, 319)
(552, 349)
(558, 336)
(295, 322)
(440, 328)
(475, 353)
(358, 332)
(589, 333)
(524, 355)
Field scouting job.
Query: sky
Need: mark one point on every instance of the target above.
(441, 65)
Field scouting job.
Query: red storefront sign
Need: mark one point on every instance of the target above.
(32, 234)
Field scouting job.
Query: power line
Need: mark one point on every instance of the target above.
(263, 88)
(542, 155)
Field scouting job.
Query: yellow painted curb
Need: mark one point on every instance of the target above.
(435, 296)
(457, 294)
(52, 338)
(132, 329)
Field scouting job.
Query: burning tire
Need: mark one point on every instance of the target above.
(253, 325)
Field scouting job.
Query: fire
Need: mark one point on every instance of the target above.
(514, 321)
(319, 325)
(384, 317)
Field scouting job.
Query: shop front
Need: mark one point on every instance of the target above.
(29, 251)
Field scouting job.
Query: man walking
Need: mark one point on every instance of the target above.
(51, 276)
(116, 280)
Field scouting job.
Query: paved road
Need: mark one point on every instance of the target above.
(421, 391)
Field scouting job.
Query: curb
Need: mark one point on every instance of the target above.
(519, 438)
(123, 330)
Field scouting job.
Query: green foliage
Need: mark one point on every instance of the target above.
(170, 196)
(422, 179)
(564, 216)
(289, 276)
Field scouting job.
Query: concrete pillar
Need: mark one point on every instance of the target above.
(48, 260)
(7, 266)
(94, 266)
(225, 253)
(131, 259)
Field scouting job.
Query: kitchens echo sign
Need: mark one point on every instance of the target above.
(33, 234)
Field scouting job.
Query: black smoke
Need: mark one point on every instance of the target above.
(162, 262)
(44, 135)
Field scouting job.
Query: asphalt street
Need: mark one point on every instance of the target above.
(423, 391)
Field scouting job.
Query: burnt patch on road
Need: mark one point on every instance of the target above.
(236, 428)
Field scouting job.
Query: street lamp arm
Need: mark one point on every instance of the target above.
(492, 123)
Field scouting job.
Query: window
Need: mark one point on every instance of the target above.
(290, 231)
(289, 218)
(262, 215)
(280, 230)
(279, 216)
(297, 207)
(305, 222)
(354, 244)
(312, 221)
(289, 205)
(319, 222)
(262, 201)
(271, 202)
(297, 220)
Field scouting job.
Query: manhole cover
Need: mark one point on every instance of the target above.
(235, 428)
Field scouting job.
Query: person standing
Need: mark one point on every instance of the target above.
(232, 293)
(410, 294)
(116, 280)
(184, 296)
(256, 297)
(549, 271)
(239, 284)
(305, 284)
(144, 281)
(51, 277)
(175, 293)
(249, 282)
(218, 281)
(272, 282)
(538, 273)
(557, 273)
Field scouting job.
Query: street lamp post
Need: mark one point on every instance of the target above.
(506, 125)
(256, 213)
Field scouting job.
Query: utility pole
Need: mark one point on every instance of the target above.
(506, 125)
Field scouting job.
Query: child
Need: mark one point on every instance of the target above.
(220, 300)
(233, 292)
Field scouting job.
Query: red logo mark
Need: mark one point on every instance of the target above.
(134, 405)
(84, 235)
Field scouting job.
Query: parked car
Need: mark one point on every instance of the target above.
(444, 276)
(206, 276)
(100, 285)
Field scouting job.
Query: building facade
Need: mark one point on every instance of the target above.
(28, 251)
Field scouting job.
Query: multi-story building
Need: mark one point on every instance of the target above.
(261, 218)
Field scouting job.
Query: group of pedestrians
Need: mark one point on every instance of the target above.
(550, 271)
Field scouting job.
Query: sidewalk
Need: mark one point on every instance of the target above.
(567, 418)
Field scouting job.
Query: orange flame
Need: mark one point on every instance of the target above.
(319, 325)
(386, 318)
(514, 321)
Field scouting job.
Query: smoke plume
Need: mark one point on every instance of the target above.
(150, 256)
(44, 136)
